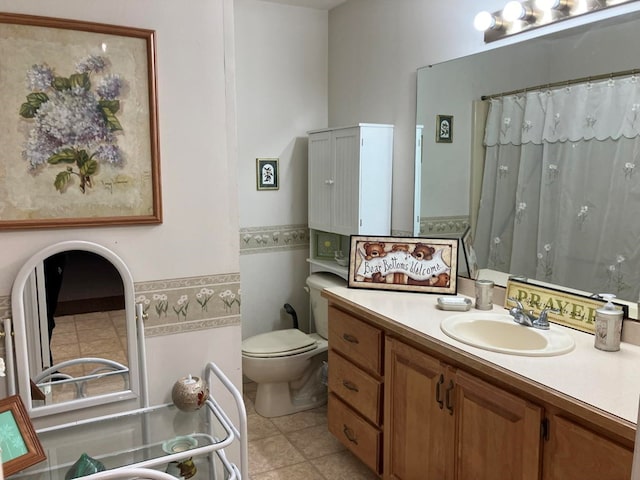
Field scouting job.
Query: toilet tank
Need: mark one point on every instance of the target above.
(319, 305)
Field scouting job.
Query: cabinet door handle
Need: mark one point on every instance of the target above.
(351, 436)
(447, 396)
(329, 182)
(438, 399)
(350, 386)
(350, 338)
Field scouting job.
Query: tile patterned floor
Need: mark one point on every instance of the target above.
(297, 447)
(96, 334)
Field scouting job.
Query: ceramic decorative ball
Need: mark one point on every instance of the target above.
(189, 393)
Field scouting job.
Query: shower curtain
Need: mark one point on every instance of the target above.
(561, 193)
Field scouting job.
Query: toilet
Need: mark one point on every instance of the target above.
(288, 365)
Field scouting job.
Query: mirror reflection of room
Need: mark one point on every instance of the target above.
(553, 134)
(85, 319)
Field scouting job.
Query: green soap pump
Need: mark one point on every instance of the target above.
(608, 325)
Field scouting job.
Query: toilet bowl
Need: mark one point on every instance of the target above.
(287, 365)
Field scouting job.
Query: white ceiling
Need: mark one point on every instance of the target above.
(319, 4)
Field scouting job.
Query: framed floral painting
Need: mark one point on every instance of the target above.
(79, 140)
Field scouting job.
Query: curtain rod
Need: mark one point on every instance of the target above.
(623, 73)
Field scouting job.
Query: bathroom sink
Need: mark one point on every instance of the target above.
(499, 333)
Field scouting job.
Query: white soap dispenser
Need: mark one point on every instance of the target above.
(608, 325)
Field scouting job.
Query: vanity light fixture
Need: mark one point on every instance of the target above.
(523, 15)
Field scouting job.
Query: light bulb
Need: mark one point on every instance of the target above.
(484, 21)
(514, 11)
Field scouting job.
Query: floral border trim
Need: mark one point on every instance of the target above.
(275, 237)
(401, 233)
(5, 307)
(444, 225)
(189, 304)
(181, 304)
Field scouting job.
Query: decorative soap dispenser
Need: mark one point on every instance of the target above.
(608, 325)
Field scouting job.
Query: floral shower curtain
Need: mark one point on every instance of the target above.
(561, 193)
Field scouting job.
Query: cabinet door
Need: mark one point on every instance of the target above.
(417, 428)
(574, 451)
(497, 434)
(345, 214)
(321, 180)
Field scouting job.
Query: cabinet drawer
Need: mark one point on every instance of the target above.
(356, 340)
(356, 387)
(359, 436)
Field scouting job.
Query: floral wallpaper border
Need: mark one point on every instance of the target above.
(188, 304)
(401, 233)
(444, 225)
(271, 238)
(181, 305)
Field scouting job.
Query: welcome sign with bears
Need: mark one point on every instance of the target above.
(426, 265)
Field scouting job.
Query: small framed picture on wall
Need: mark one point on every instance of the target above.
(444, 129)
(267, 174)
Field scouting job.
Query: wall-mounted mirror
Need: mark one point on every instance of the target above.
(76, 339)
(452, 173)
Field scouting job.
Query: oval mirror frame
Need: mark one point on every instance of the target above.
(134, 341)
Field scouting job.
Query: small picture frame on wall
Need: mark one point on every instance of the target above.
(267, 174)
(444, 129)
(19, 443)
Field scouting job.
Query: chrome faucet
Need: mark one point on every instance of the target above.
(528, 319)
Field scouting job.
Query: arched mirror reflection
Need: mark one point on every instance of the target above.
(76, 340)
(586, 241)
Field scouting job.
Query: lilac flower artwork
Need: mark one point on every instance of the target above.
(73, 122)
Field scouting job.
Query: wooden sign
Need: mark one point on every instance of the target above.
(576, 311)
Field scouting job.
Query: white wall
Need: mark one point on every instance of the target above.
(281, 58)
(375, 47)
(199, 235)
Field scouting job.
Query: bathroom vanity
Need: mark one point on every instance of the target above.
(413, 403)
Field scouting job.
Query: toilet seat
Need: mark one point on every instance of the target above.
(280, 343)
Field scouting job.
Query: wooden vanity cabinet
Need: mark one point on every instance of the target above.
(444, 423)
(413, 415)
(574, 451)
(355, 386)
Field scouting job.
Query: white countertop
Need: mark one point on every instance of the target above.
(609, 381)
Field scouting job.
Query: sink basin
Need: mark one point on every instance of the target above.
(499, 333)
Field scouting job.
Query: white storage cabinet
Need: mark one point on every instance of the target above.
(350, 173)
